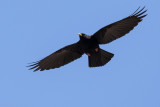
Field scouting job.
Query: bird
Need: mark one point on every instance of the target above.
(90, 44)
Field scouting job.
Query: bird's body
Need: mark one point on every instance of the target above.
(90, 45)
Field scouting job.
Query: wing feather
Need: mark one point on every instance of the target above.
(58, 58)
(120, 28)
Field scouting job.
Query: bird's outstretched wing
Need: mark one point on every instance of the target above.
(58, 58)
(120, 28)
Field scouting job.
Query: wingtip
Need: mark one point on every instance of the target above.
(135, 11)
(139, 12)
(33, 65)
(143, 16)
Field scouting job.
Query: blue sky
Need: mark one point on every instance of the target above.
(33, 29)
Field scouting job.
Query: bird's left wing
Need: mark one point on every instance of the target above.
(118, 29)
(59, 58)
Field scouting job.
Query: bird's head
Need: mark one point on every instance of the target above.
(83, 36)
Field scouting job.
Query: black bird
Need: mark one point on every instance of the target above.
(90, 45)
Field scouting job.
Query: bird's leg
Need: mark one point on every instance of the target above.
(96, 49)
(88, 54)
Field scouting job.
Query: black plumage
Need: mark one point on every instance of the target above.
(90, 45)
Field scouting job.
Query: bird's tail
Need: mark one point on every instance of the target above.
(100, 58)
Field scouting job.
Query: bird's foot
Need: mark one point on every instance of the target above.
(88, 54)
(96, 49)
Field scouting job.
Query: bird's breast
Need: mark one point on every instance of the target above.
(89, 45)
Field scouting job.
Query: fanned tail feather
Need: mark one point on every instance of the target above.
(100, 58)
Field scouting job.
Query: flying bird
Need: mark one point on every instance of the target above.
(89, 45)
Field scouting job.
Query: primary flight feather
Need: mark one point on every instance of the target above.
(90, 45)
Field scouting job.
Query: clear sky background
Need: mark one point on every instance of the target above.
(32, 29)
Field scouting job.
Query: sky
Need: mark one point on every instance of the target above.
(32, 29)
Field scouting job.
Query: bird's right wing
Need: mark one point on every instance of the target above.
(120, 28)
(59, 58)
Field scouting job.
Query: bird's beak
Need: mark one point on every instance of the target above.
(79, 34)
